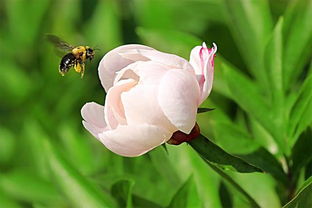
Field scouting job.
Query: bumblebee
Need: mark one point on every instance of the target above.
(76, 56)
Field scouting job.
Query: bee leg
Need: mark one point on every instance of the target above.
(82, 70)
(77, 67)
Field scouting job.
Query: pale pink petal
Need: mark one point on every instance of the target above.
(140, 103)
(93, 115)
(114, 110)
(134, 140)
(170, 60)
(113, 61)
(148, 72)
(202, 59)
(141, 106)
(122, 56)
(179, 98)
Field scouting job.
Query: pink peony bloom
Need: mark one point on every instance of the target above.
(150, 95)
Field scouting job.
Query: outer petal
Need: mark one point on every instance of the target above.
(113, 61)
(171, 60)
(93, 115)
(122, 56)
(179, 97)
(202, 59)
(134, 140)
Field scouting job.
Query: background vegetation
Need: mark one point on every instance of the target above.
(262, 95)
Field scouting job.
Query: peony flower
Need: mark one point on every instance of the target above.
(150, 95)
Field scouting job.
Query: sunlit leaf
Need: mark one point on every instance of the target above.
(273, 65)
(301, 112)
(247, 95)
(250, 23)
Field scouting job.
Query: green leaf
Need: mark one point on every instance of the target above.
(189, 163)
(250, 23)
(38, 189)
(235, 185)
(140, 202)
(122, 191)
(267, 162)
(303, 197)
(186, 196)
(163, 165)
(225, 196)
(212, 153)
(78, 149)
(246, 94)
(301, 112)
(298, 39)
(79, 191)
(301, 152)
(7, 202)
(234, 139)
(273, 66)
(7, 145)
(204, 110)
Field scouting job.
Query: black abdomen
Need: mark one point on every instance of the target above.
(67, 62)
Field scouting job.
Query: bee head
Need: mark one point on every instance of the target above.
(89, 53)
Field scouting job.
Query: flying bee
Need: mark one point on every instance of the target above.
(76, 56)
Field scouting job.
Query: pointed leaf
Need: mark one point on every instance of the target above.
(246, 94)
(213, 153)
(301, 152)
(266, 161)
(298, 39)
(122, 191)
(250, 23)
(273, 65)
(160, 160)
(140, 202)
(186, 196)
(301, 112)
(204, 110)
(235, 185)
(303, 197)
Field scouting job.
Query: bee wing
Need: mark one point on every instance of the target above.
(59, 43)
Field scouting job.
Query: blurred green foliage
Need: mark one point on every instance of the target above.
(262, 95)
